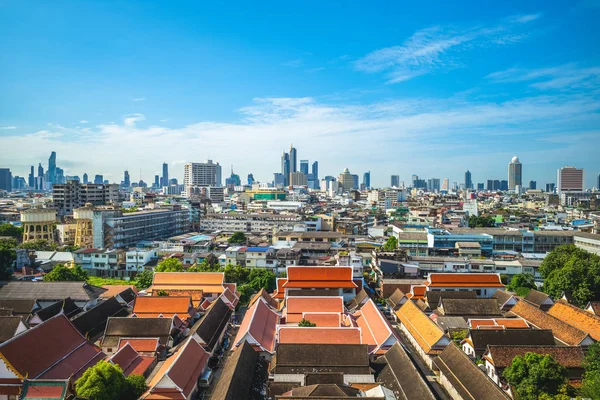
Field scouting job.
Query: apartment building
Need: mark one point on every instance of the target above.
(249, 222)
(71, 195)
(201, 175)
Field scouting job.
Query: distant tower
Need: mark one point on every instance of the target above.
(85, 178)
(285, 168)
(395, 181)
(52, 168)
(367, 179)
(32, 178)
(126, 179)
(315, 170)
(304, 167)
(293, 159)
(515, 173)
(569, 179)
(468, 180)
(165, 175)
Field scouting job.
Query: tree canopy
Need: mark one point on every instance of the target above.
(390, 244)
(237, 237)
(591, 378)
(39, 245)
(262, 278)
(143, 280)
(63, 273)
(568, 268)
(481, 222)
(12, 231)
(169, 265)
(306, 323)
(521, 284)
(536, 376)
(8, 255)
(103, 381)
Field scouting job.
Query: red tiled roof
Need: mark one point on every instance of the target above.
(505, 323)
(463, 280)
(113, 290)
(141, 345)
(131, 362)
(417, 292)
(319, 277)
(153, 306)
(375, 328)
(280, 291)
(296, 306)
(316, 335)
(232, 299)
(580, 319)
(324, 319)
(260, 322)
(49, 391)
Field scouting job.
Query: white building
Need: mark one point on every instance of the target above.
(201, 175)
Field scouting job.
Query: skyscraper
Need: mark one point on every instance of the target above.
(395, 181)
(367, 179)
(598, 183)
(31, 181)
(5, 179)
(40, 178)
(202, 175)
(445, 185)
(250, 179)
(98, 179)
(569, 179)
(315, 171)
(165, 175)
(346, 180)
(52, 168)
(293, 159)
(85, 178)
(355, 181)
(304, 167)
(550, 187)
(126, 179)
(468, 180)
(532, 185)
(156, 181)
(285, 168)
(515, 173)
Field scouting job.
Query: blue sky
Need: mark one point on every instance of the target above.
(426, 88)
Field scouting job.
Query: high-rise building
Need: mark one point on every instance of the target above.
(355, 181)
(52, 168)
(126, 179)
(550, 187)
(165, 175)
(233, 180)
(433, 185)
(71, 195)
(285, 168)
(346, 180)
(250, 179)
(515, 173)
(480, 186)
(18, 183)
(298, 179)
(569, 179)
(6, 179)
(395, 181)
(156, 181)
(293, 159)
(85, 178)
(598, 183)
(367, 180)
(40, 178)
(98, 179)
(315, 171)
(304, 167)
(532, 185)
(59, 176)
(278, 179)
(445, 185)
(504, 185)
(31, 181)
(468, 180)
(201, 175)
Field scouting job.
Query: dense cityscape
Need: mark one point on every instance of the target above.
(299, 201)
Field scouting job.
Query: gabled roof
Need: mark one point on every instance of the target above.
(465, 376)
(141, 345)
(53, 349)
(210, 327)
(279, 293)
(230, 298)
(8, 327)
(131, 362)
(325, 277)
(498, 323)
(481, 338)
(296, 306)
(469, 307)
(18, 307)
(567, 356)
(166, 306)
(44, 389)
(577, 317)
(127, 292)
(503, 297)
(538, 298)
(301, 358)
(183, 369)
(237, 375)
(117, 328)
(432, 298)
(259, 326)
(207, 282)
(323, 391)
(398, 373)
(93, 322)
(324, 319)
(262, 293)
(464, 280)
(358, 300)
(417, 292)
(426, 333)
(564, 332)
(23, 290)
(66, 306)
(316, 335)
(376, 330)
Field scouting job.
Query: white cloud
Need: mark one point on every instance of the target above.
(83, 121)
(562, 77)
(437, 47)
(8, 128)
(131, 119)
(139, 99)
(524, 18)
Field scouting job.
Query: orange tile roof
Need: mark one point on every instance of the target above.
(297, 335)
(577, 317)
(279, 294)
(146, 306)
(425, 332)
(296, 306)
(260, 323)
(195, 295)
(463, 280)
(321, 277)
(507, 323)
(324, 319)
(564, 332)
(131, 362)
(188, 278)
(113, 290)
(375, 328)
(417, 292)
(141, 345)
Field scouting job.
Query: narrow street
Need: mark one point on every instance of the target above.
(426, 373)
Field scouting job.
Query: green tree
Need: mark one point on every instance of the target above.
(481, 222)
(162, 293)
(306, 323)
(103, 381)
(169, 265)
(136, 386)
(459, 335)
(12, 231)
(521, 284)
(63, 273)
(262, 278)
(237, 237)
(591, 379)
(143, 280)
(592, 358)
(70, 248)
(568, 268)
(8, 255)
(390, 244)
(246, 291)
(236, 274)
(39, 245)
(535, 376)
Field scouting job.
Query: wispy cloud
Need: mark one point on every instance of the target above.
(131, 119)
(562, 77)
(437, 47)
(139, 99)
(83, 121)
(8, 128)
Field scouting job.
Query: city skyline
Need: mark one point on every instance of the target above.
(399, 90)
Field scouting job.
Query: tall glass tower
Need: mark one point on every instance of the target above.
(515, 173)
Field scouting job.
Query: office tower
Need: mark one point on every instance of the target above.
(85, 178)
(173, 181)
(355, 181)
(315, 171)
(490, 184)
(298, 179)
(278, 179)
(6, 179)
(395, 181)
(468, 180)
(18, 183)
(367, 180)
(250, 179)
(445, 185)
(569, 179)
(52, 168)
(40, 178)
(165, 175)
(285, 168)
(433, 185)
(515, 173)
(293, 159)
(201, 175)
(480, 186)
(233, 180)
(532, 185)
(346, 180)
(304, 167)
(31, 181)
(598, 183)
(550, 187)
(98, 179)
(126, 179)
(59, 176)
(156, 181)
(504, 185)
